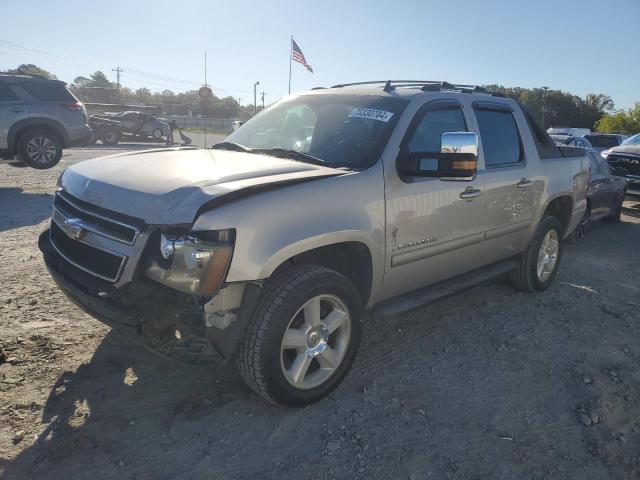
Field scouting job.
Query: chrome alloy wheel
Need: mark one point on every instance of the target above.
(548, 255)
(41, 150)
(315, 341)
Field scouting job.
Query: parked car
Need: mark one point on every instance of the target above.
(38, 119)
(129, 125)
(572, 141)
(266, 249)
(605, 197)
(626, 159)
(604, 141)
(568, 131)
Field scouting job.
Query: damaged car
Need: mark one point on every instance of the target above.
(265, 251)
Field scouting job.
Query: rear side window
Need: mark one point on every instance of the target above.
(602, 141)
(500, 137)
(48, 91)
(6, 94)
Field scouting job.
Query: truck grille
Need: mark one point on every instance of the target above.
(628, 162)
(94, 221)
(103, 264)
(95, 240)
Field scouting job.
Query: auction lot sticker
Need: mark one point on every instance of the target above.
(370, 113)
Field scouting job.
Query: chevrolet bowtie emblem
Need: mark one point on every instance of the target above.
(73, 227)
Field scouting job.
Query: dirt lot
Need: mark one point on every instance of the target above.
(488, 384)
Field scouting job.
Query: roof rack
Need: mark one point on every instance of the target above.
(425, 85)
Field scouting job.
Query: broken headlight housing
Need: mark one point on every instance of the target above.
(195, 263)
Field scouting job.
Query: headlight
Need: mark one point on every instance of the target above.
(196, 264)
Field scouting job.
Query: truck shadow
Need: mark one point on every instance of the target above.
(20, 209)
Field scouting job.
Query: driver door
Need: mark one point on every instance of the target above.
(433, 225)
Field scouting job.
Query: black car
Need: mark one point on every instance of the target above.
(626, 159)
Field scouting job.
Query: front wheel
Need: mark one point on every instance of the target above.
(616, 217)
(303, 336)
(539, 263)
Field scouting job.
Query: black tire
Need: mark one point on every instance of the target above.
(525, 277)
(110, 136)
(93, 139)
(157, 134)
(258, 357)
(40, 148)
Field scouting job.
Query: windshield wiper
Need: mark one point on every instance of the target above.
(236, 147)
(291, 154)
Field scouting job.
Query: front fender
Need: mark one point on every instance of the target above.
(272, 227)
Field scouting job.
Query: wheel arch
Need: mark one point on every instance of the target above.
(561, 207)
(20, 128)
(349, 255)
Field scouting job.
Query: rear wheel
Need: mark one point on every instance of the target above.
(110, 136)
(40, 148)
(303, 336)
(539, 263)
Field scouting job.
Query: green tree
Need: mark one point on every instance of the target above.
(99, 79)
(34, 69)
(627, 122)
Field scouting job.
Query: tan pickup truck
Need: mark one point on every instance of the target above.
(266, 250)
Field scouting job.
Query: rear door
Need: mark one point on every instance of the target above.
(12, 110)
(432, 230)
(508, 181)
(603, 193)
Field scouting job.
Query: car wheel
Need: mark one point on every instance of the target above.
(40, 149)
(157, 134)
(110, 136)
(303, 336)
(539, 263)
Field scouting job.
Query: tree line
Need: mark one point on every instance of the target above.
(552, 108)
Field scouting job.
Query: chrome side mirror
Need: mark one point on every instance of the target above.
(457, 160)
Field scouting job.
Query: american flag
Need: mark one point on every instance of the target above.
(298, 56)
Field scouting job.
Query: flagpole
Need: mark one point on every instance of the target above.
(290, 55)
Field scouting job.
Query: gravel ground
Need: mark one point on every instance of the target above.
(491, 383)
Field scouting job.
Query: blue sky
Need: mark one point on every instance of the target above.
(579, 46)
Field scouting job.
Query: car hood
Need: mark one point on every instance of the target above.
(170, 186)
(632, 149)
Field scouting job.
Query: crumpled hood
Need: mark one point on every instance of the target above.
(632, 149)
(169, 186)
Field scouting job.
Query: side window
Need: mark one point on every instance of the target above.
(499, 136)
(428, 133)
(6, 94)
(47, 91)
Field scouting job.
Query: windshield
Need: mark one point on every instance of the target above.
(635, 140)
(339, 130)
(604, 141)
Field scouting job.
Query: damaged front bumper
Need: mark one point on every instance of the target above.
(172, 323)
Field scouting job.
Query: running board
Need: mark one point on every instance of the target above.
(417, 298)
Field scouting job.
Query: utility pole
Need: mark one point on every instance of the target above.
(118, 71)
(544, 103)
(255, 99)
(263, 94)
(238, 99)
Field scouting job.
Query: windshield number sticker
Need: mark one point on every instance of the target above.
(370, 113)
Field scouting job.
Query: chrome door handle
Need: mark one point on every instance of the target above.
(524, 183)
(470, 193)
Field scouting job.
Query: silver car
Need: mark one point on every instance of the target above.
(38, 119)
